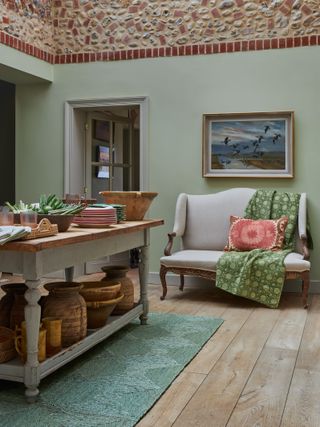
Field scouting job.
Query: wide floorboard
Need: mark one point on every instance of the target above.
(261, 368)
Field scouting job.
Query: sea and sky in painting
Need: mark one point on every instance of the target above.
(248, 144)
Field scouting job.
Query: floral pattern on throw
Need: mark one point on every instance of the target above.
(248, 234)
(259, 274)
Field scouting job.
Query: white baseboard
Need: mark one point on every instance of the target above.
(174, 280)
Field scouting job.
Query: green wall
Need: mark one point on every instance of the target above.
(180, 90)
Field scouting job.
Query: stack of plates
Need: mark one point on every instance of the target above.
(96, 217)
(121, 212)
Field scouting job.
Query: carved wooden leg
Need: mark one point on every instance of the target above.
(163, 272)
(181, 282)
(305, 288)
(143, 276)
(32, 314)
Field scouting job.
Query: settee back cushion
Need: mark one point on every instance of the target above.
(208, 217)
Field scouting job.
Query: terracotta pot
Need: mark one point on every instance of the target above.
(65, 302)
(119, 273)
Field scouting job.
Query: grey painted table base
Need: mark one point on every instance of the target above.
(34, 259)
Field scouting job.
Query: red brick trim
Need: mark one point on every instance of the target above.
(27, 48)
(163, 51)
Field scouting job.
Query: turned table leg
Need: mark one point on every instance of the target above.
(32, 313)
(143, 276)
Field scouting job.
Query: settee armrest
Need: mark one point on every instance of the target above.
(180, 215)
(168, 248)
(302, 225)
(305, 249)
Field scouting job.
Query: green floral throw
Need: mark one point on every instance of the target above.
(259, 274)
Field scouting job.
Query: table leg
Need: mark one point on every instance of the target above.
(32, 314)
(69, 273)
(143, 276)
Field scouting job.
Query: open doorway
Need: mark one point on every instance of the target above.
(112, 150)
(106, 149)
(117, 127)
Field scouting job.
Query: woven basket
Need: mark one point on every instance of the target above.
(100, 291)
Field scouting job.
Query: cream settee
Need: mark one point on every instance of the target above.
(202, 223)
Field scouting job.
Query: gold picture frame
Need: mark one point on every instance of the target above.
(258, 145)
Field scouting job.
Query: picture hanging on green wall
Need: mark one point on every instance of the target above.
(258, 145)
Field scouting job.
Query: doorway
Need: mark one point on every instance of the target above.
(112, 148)
(106, 149)
(119, 126)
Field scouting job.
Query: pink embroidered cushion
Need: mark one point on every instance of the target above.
(247, 234)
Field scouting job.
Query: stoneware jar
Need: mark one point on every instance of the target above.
(65, 302)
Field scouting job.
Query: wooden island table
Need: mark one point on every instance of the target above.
(36, 258)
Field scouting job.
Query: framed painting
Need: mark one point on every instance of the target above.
(258, 145)
(103, 157)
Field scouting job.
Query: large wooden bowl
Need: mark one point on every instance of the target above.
(137, 202)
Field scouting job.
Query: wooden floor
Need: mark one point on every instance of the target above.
(261, 368)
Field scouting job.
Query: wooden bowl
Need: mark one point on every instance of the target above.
(63, 221)
(137, 202)
(100, 291)
(99, 311)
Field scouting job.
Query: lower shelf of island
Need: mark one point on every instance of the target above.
(14, 369)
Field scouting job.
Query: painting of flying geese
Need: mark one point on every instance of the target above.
(258, 145)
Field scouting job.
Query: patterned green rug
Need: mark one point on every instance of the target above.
(115, 383)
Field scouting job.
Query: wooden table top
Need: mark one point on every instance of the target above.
(76, 234)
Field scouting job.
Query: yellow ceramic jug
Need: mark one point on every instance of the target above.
(21, 342)
(53, 337)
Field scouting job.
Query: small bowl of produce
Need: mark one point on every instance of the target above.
(63, 221)
(52, 208)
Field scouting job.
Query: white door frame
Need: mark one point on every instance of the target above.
(70, 139)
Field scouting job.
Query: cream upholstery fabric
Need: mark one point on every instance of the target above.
(295, 262)
(207, 260)
(302, 218)
(208, 217)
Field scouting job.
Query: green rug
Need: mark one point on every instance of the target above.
(115, 383)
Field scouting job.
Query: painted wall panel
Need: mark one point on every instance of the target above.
(180, 90)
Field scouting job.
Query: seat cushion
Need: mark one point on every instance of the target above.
(295, 262)
(207, 260)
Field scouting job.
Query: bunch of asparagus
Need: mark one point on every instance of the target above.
(47, 205)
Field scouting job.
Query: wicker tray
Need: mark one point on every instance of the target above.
(44, 229)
